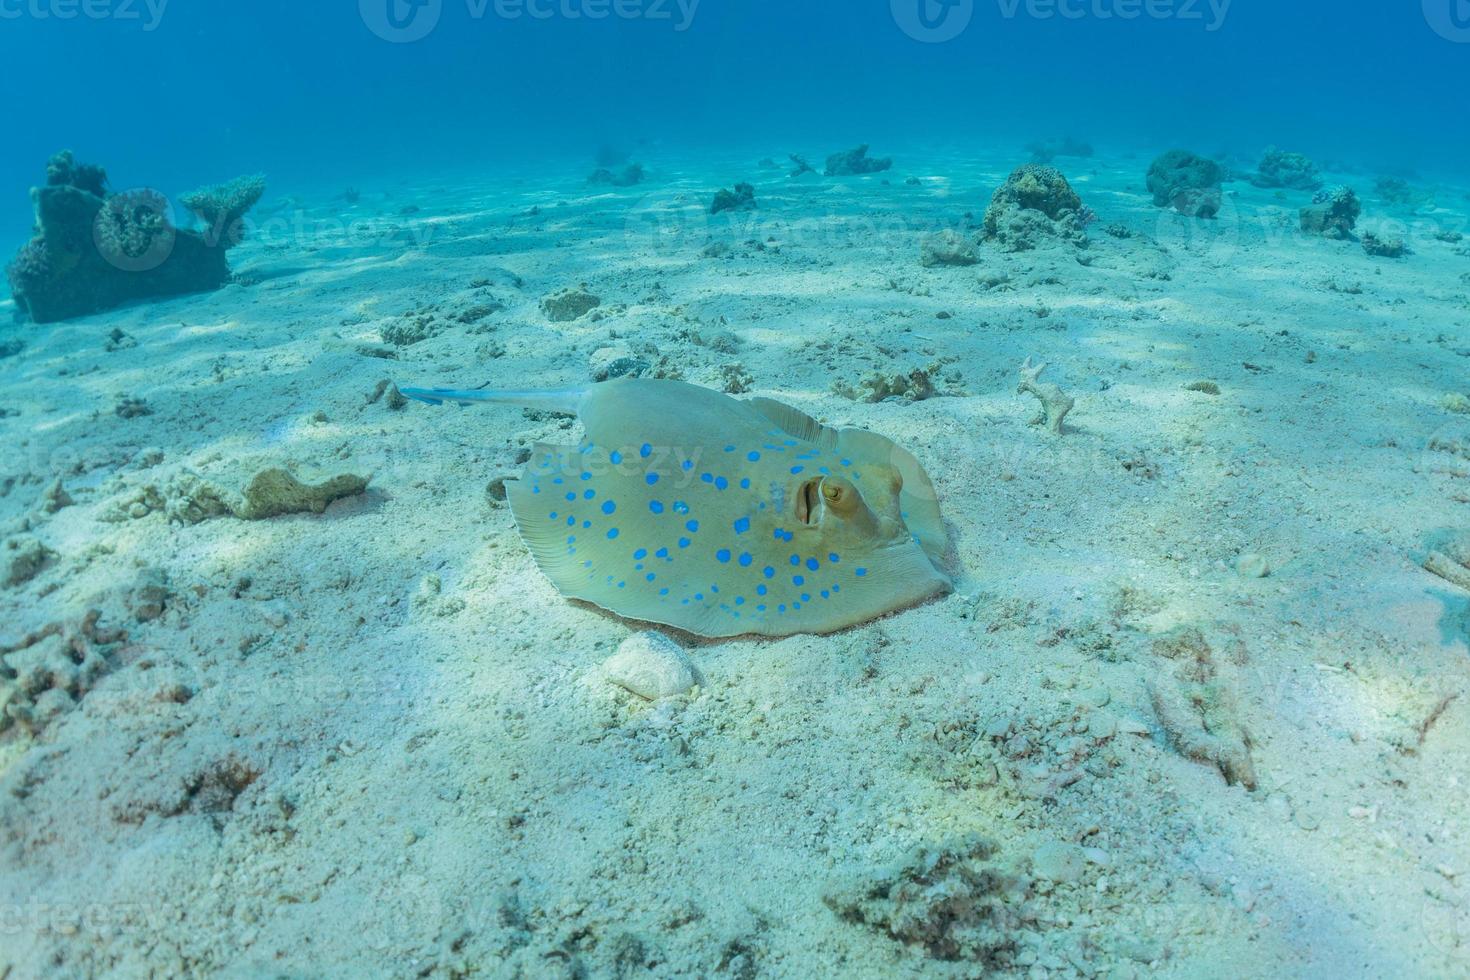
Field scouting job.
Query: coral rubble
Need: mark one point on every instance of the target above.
(630, 176)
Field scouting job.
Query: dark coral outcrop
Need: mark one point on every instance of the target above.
(93, 251)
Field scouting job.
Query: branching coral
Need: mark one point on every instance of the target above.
(222, 208)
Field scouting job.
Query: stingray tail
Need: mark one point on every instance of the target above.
(566, 400)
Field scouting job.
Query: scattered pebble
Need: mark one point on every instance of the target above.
(651, 666)
(1059, 861)
(1252, 566)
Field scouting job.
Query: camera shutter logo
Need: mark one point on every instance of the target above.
(933, 21)
(401, 21)
(1450, 19)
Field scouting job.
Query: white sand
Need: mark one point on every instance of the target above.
(377, 742)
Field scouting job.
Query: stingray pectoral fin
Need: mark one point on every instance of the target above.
(794, 422)
(566, 401)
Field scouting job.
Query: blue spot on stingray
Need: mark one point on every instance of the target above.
(846, 462)
(558, 481)
(554, 515)
(752, 455)
(744, 484)
(811, 564)
(645, 450)
(612, 533)
(769, 572)
(861, 572)
(589, 494)
(745, 559)
(796, 559)
(656, 506)
(721, 483)
(699, 597)
(834, 558)
(723, 555)
(586, 564)
(684, 542)
(609, 507)
(586, 524)
(707, 477)
(740, 600)
(663, 591)
(729, 449)
(686, 466)
(805, 597)
(650, 576)
(781, 607)
(640, 554)
(826, 594)
(616, 457)
(571, 496)
(651, 479)
(742, 525)
(797, 580)
(761, 590)
(760, 608)
(797, 469)
(622, 585)
(836, 588)
(692, 526)
(680, 507)
(571, 521)
(586, 476)
(661, 553)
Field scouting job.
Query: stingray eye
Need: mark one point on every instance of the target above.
(840, 496)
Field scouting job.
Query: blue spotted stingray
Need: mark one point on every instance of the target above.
(722, 516)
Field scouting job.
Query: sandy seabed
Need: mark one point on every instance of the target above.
(376, 742)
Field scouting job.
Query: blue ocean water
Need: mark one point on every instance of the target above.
(173, 93)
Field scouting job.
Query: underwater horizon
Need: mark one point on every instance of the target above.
(172, 95)
(696, 488)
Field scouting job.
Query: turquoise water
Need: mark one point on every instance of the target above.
(173, 94)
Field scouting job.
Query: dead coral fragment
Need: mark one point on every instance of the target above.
(914, 385)
(742, 198)
(947, 247)
(569, 304)
(856, 162)
(946, 901)
(1055, 403)
(275, 492)
(1186, 718)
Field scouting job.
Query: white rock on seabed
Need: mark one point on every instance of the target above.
(651, 666)
(1252, 566)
